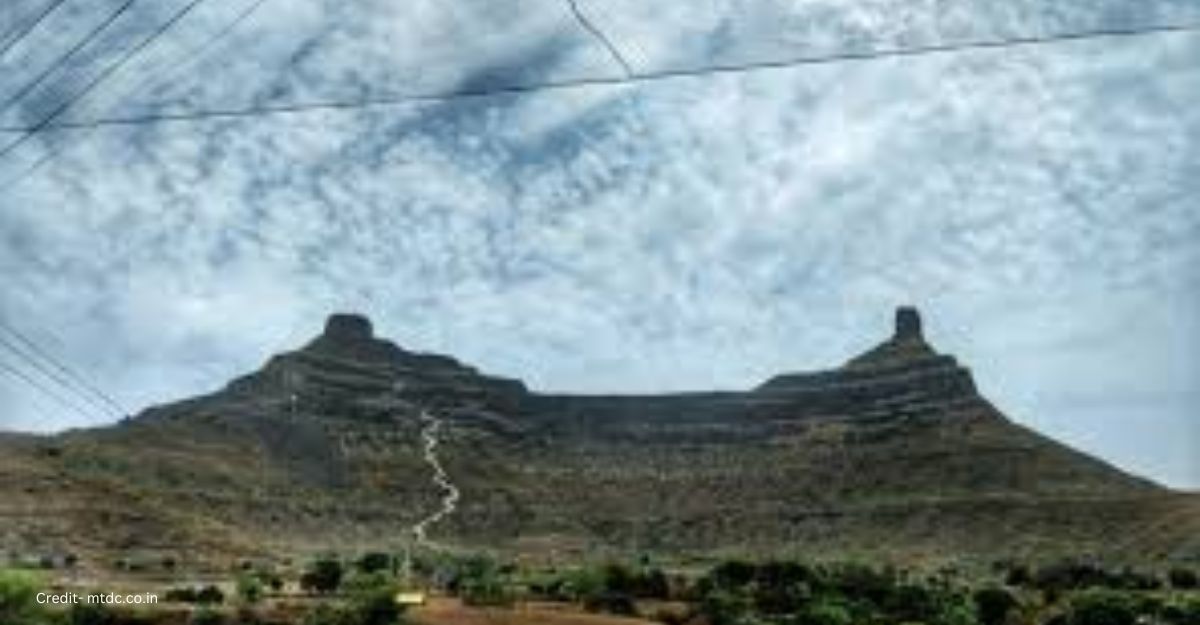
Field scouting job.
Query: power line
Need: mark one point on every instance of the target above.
(79, 381)
(50, 374)
(39, 406)
(62, 60)
(571, 84)
(601, 37)
(197, 53)
(192, 57)
(32, 26)
(102, 76)
(33, 382)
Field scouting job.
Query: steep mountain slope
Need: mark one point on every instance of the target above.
(895, 453)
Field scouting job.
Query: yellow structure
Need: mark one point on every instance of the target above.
(410, 598)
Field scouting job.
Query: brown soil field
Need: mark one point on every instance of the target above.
(445, 611)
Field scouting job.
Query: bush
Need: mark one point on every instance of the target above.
(826, 611)
(18, 599)
(994, 605)
(180, 595)
(325, 576)
(1018, 575)
(1103, 608)
(722, 606)
(374, 562)
(249, 588)
(1182, 612)
(210, 594)
(1183, 579)
(375, 607)
(206, 616)
(90, 614)
(619, 603)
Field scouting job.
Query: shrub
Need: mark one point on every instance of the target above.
(913, 603)
(487, 590)
(375, 607)
(733, 574)
(618, 603)
(825, 611)
(90, 614)
(374, 562)
(723, 606)
(325, 576)
(1183, 579)
(1182, 612)
(18, 599)
(1018, 575)
(206, 616)
(210, 594)
(180, 595)
(1103, 608)
(249, 588)
(361, 583)
(994, 605)
(270, 579)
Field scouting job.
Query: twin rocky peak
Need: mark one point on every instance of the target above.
(348, 366)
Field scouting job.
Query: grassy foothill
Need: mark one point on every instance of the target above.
(480, 590)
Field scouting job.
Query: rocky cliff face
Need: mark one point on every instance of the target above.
(893, 453)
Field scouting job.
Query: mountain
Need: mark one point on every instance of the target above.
(893, 454)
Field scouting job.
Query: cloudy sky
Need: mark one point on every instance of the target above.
(1039, 203)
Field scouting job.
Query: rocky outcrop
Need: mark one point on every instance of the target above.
(348, 368)
(894, 452)
(904, 375)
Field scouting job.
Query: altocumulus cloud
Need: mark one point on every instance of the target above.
(1038, 203)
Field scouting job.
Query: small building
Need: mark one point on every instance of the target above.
(410, 598)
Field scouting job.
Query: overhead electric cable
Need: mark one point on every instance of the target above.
(192, 56)
(197, 53)
(128, 55)
(570, 84)
(43, 410)
(78, 379)
(62, 60)
(53, 375)
(33, 382)
(601, 37)
(18, 37)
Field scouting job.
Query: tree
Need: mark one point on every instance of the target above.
(325, 576)
(210, 594)
(249, 588)
(994, 605)
(374, 562)
(1183, 579)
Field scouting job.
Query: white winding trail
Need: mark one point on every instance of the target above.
(450, 492)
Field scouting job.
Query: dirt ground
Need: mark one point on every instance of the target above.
(444, 611)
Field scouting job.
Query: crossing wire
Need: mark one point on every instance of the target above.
(192, 57)
(601, 37)
(61, 61)
(102, 76)
(28, 30)
(40, 358)
(579, 83)
(34, 383)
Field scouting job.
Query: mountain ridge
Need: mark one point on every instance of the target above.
(894, 453)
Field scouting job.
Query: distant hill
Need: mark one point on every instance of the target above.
(894, 454)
